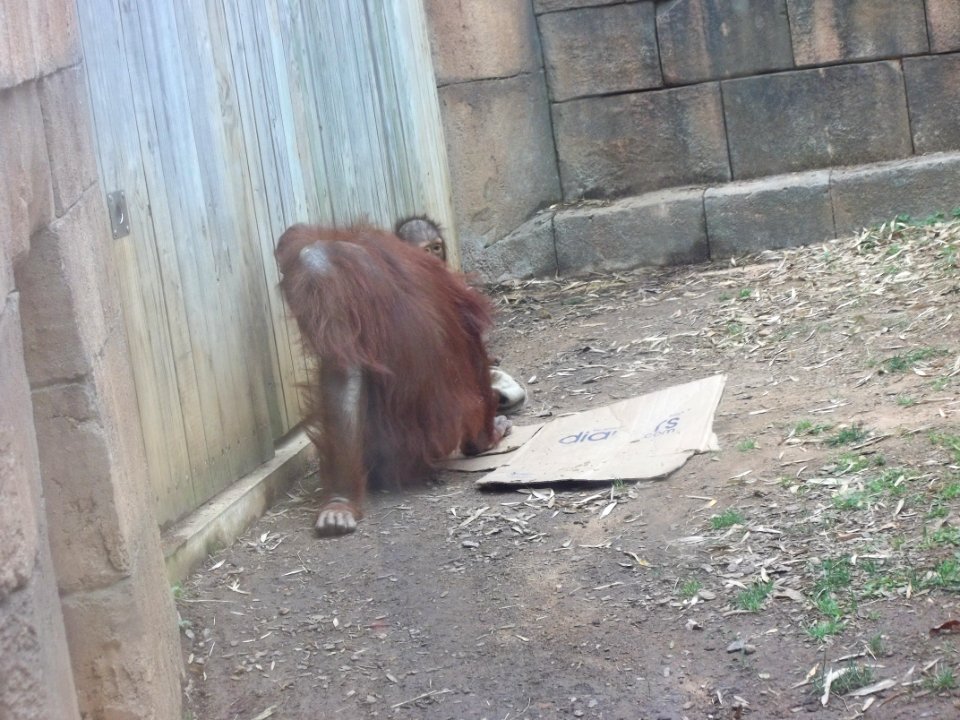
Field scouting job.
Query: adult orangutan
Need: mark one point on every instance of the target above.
(403, 377)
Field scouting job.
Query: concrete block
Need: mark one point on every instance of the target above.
(124, 646)
(56, 33)
(933, 96)
(66, 122)
(64, 312)
(19, 467)
(26, 203)
(482, 39)
(662, 228)
(500, 151)
(91, 541)
(36, 681)
(826, 31)
(629, 144)
(943, 25)
(597, 51)
(546, 6)
(529, 251)
(807, 119)
(712, 39)
(918, 187)
(18, 57)
(771, 213)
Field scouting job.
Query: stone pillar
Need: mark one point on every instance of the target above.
(496, 117)
(76, 516)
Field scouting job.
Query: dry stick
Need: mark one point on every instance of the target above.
(420, 697)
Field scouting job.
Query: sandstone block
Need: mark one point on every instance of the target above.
(19, 467)
(933, 94)
(596, 51)
(482, 39)
(26, 203)
(36, 682)
(943, 25)
(56, 33)
(712, 39)
(807, 119)
(529, 251)
(629, 144)
(771, 213)
(18, 57)
(827, 31)
(545, 6)
(66, 121)
(65, 314)
(662, 228)
(918, 187)
(500, 151)
(127, 635)
(91, 542)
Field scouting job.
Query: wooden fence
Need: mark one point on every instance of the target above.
(222, 122)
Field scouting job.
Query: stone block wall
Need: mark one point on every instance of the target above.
(653, 96)
(87, 625)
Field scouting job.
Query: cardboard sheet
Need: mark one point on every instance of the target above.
(644, 437)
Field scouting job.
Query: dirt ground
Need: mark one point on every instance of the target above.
(819, 547)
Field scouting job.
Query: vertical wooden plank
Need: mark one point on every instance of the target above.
(169, 463)
(423, 127)
(157, 75)
(281, 155)
(254, 132)
(303, 105)
(233, 237)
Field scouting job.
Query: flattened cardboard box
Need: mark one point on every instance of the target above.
(644, 437)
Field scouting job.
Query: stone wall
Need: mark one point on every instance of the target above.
(87, 625)
(762, 112)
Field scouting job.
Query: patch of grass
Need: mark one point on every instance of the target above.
(745, 293)
(734, 328)
(848, 436)
(728, 518)
(945, 535)
(746, 445)
(753, 597)
(949, 441)
(835, 574)
(951, 491)
(828, 605)
(177, 591)
(808, 427)
(852, 500)
(857, 676)
(725, 296)
(906, 400)
(822, 630)
(876, 646)
(902, 363)
(849, 463)
(937, 511)
(690, 588)
(892, 481)
(940, 383)
(946, 575)
(942, 681)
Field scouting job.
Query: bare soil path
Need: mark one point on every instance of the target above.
(818, 547)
